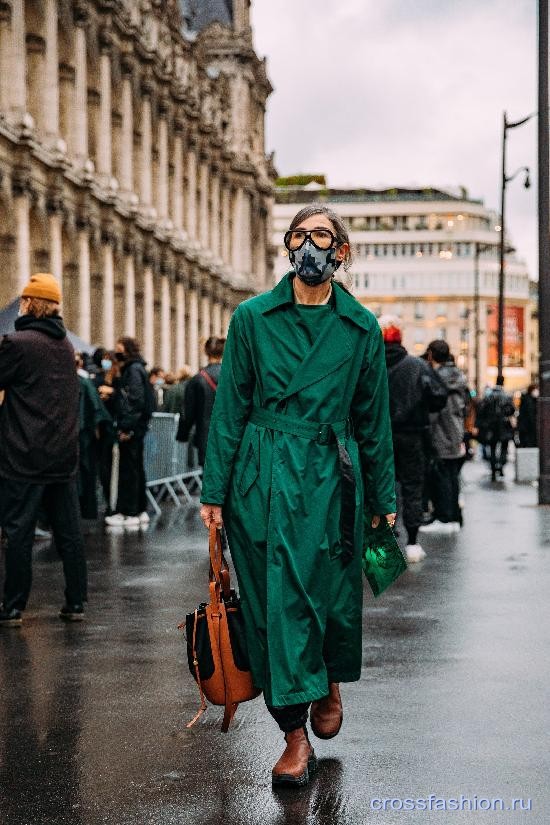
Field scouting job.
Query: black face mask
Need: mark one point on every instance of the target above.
(120, 356)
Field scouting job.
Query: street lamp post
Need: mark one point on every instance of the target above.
(478, 249)
(477, 330)
(544, 257)
(506, 124)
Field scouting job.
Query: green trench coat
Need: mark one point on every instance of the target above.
(281, 492)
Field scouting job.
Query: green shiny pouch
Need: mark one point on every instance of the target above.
(382, 559)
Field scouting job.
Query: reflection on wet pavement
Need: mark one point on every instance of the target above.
(453, 698)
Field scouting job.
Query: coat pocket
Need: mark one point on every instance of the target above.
(251, 466)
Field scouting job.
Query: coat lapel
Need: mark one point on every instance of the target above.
(332, 348)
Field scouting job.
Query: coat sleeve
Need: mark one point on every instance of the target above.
(132, 401)
(371, 417)
(10, 361)
(190, 410)
(230, 413)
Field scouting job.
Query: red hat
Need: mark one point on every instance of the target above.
(392, 335)
(391, 331)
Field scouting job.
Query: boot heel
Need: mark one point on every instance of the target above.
(311, 765)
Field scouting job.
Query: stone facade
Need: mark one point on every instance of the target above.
(132, 166)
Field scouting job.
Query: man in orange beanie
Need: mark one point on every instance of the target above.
(39, 448)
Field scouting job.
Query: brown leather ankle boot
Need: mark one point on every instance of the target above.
(326, 714)
(297, 764)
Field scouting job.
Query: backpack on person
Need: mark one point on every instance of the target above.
(492, 417)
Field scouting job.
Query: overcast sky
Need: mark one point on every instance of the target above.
(396, 92)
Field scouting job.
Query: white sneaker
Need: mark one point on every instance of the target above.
(119, 520)
(144, 518)
(414, 553)
(444, 527)
(116, 520)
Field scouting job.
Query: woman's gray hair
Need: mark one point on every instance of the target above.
(340, 230)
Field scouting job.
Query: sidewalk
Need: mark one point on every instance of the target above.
(453, 700)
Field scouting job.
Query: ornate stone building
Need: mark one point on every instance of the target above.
(132, 165)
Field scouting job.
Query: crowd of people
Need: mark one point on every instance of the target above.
(118, 398)
(434, 420)
(57, 449)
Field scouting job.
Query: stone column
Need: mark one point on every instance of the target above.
(226, 225)
(56, 243)
(146, 159)
(17, 74)
(108, 290)
(206, 318)
(236, 239)
(192, 192)
(260, 269)
(21, 208)
(180, 324)
(177, 179)
(51, 71)
(148, 315)
(162, 194)
(226, 318)
(194, 334)
(84, 284)
(216, 317)
(66, 105)
(129, 294)
(127, 129)
(215, 214)
(204, 183)
(246, 233)
(35, 76)
(165, 325)
(104, 146)
(5, 57)
(80, 109)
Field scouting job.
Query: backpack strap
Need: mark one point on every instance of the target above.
(209, 380)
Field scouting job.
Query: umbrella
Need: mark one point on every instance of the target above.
(7, 325)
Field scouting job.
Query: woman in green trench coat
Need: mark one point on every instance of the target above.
(299, 448)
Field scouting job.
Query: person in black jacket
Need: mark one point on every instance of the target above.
(527, 418)
(200, 395)
(494, 424)
(134, 404)
(415, 391)
(39, 430)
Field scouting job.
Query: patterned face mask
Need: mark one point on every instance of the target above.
(314, 266)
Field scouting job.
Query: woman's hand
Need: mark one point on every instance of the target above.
(211, 514)
(105, 392)
(390, 518)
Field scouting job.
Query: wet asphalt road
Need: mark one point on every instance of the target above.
(453, 699)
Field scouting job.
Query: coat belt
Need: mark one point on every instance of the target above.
(323, 433)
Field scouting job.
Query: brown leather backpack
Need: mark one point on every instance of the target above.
(216, 645)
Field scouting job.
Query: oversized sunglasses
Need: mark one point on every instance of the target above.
(321, 238)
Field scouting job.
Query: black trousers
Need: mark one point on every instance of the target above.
(446, 489)
(104, 449)
(290, 717)
(499, 455)
(21, 503)
(132, 499)
(410, 471)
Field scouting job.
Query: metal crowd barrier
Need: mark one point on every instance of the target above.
(170, 466)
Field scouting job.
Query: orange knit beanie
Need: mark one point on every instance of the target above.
(45, 286)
